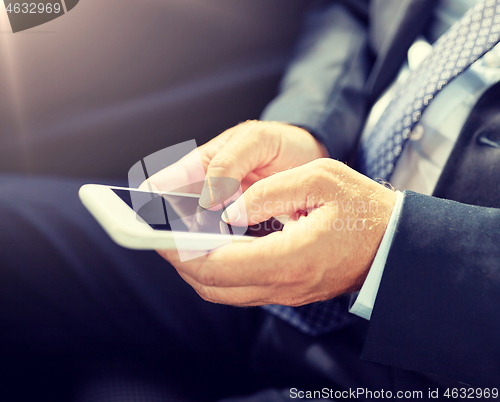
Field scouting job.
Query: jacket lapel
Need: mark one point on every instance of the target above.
(395, 25)
(471, 174)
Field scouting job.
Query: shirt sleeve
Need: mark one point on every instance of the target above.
(365, 300)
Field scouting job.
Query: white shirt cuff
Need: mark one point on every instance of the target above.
(363, 306)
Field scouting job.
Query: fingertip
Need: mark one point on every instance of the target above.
(217, 191)
(209, 197)
(231, 215)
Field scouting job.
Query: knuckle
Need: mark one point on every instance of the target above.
(249, 123)
(292, 301)
(255, 126)
(328, 165)
(314, 182)
(321, 177)
(260, 130)
(206, 277)
(261, 135)
(222, 164)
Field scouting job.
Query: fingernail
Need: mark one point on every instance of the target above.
(231, 214)
(209, 197)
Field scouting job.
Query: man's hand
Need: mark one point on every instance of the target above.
(247, 152)
(338, 218)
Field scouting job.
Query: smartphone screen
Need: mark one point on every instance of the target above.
(182, 213)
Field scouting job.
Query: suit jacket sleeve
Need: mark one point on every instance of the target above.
(322, 90)
(437, 309)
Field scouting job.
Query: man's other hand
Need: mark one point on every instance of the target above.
(337, 220)
(247, 152)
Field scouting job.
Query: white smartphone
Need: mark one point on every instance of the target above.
(147, 220)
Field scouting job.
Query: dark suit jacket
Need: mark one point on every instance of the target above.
(437, 310)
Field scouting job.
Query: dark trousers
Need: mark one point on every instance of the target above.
(83, 319)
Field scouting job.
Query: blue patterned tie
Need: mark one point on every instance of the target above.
(465, 42)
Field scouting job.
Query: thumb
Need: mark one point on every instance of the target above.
(236, 159)
(217, 190)
(282, 193)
